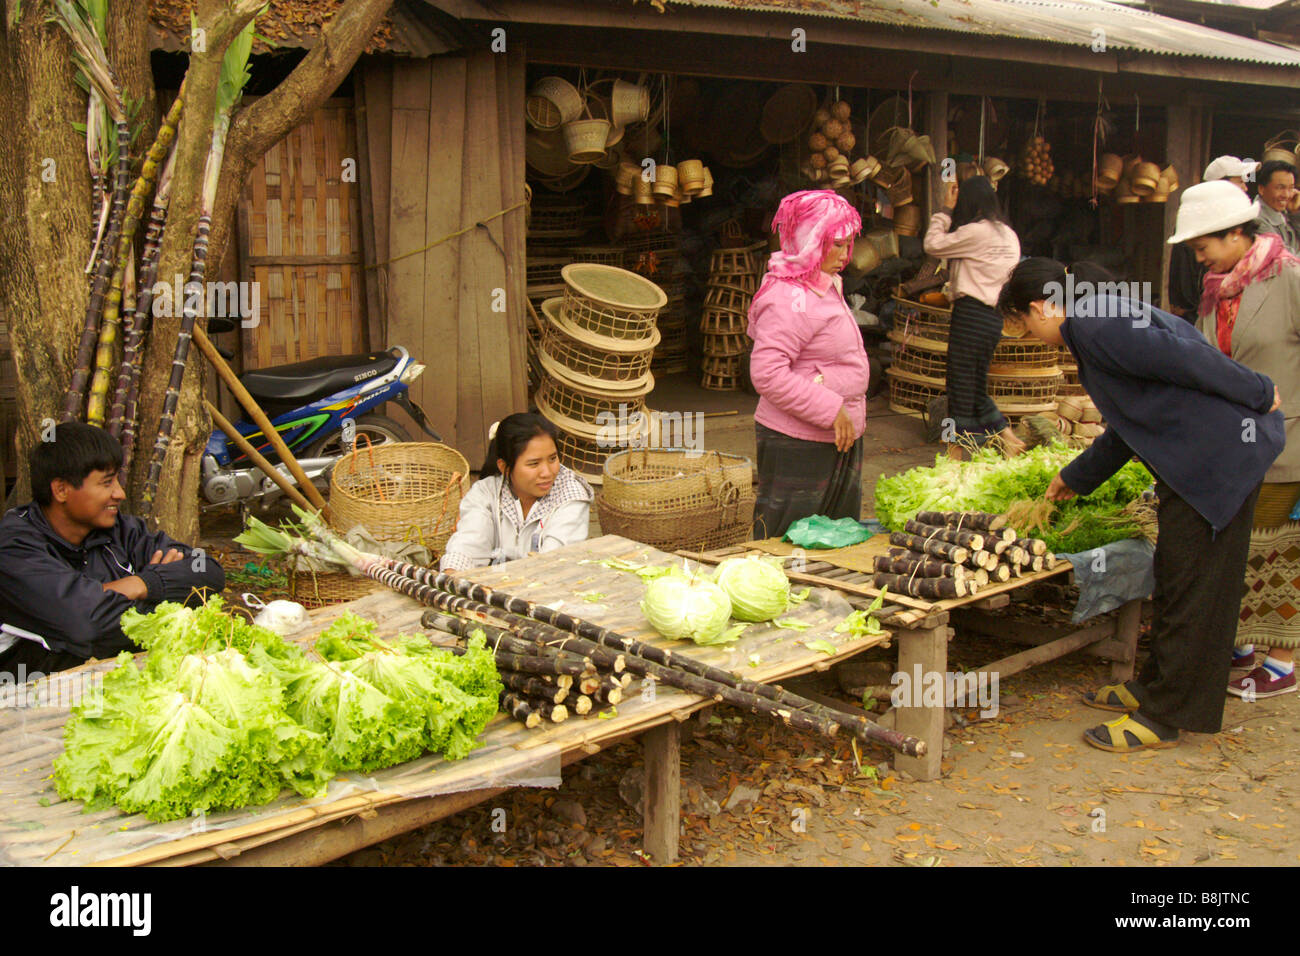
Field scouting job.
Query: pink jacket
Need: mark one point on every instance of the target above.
(808, 360)
(980, 255)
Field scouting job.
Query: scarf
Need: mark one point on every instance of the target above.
(808, 222)
(1222, 291)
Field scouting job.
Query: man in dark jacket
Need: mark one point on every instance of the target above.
(1209, 429)
(71, 564)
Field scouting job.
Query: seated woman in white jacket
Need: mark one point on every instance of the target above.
(524, 502)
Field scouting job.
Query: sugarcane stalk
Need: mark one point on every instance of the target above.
(122, 416)
(940, 589)
(939, 549)
(110, 330)
(580, 704)
(1032, 545)
(533, 687)
(553, 666)
(963, 519)
(967, 539)
(543, 708)
(926, 567)
(604, 637)
(607, 695)
(521, 710)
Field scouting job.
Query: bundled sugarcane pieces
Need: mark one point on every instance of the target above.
(580, 704)
(934, 589)
(954, 553)
(963, 519)
(967, 539)
(534, 687)
(1031, 545)
(522, 710)
(920, 566)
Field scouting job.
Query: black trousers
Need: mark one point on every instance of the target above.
(1200, 580)
(974, 334)
(36, 660)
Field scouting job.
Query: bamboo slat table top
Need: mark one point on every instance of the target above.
(898, 610)
(37, 827)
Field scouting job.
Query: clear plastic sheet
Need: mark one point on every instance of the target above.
(37, 827)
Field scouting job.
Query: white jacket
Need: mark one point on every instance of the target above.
(492, 530)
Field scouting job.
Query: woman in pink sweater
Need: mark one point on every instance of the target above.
(981, 249)
(809, 368)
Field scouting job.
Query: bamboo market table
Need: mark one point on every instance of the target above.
(37, 827)
(921, 627)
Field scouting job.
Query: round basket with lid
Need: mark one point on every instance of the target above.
(611, 302)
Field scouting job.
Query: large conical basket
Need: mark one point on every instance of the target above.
(400, 491)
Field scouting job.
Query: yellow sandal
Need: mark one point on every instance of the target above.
(1110, 736)
(1113, 697)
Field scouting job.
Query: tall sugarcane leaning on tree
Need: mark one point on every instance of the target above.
(234, 76)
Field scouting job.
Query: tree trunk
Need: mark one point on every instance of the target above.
(44, 220)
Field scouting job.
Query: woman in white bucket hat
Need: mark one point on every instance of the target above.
(1186, 275)
(1250, 309)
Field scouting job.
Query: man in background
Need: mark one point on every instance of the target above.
(1276, 187)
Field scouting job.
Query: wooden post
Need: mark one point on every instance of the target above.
(936, 127)
(927, 650)
(1178, 153)
(1126, 632)
(663, 778)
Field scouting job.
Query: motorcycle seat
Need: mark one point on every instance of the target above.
(300, 383)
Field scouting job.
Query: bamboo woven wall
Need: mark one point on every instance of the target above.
(444, 143)
(300, 241)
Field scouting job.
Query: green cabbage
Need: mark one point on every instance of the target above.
(681, 607)
(757, 586)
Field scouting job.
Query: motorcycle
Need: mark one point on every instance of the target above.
(320, 408)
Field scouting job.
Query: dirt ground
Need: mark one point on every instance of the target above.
(1018, 789)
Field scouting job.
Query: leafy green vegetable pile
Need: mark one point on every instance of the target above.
(226, 714)
(991, 483)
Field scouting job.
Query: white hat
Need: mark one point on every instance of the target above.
(1210, 207)
(1229, 167)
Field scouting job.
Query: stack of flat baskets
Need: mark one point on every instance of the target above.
(1070, 371)
(734, 274)
(596, 344)
(655, 256)
(1024, 376)
(671, 498)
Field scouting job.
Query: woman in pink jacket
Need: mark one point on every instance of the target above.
(981, 249)
(809, 368)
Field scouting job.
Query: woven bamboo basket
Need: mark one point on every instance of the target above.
(928, 321)
(583, 455)
(314, 589)
(557, 221)
(701, 529)
(720, 383)
(566, 356)
(731, 262)
(587, 405)
(401, 491)
(910, 393)
(727, 297)
(919, 359)
(724, 346)
(724, 365)
(603, 255)
(673, 340)
(739, 281)
(723, 322)
(611, 302)
(552, 102)
(545, 270)
(907, 220)
(649, 480)
(584, 447)
(1024, 354)
(1022, 389)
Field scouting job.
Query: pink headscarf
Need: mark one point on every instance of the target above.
(809, 222)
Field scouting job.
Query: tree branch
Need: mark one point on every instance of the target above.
(267, 121)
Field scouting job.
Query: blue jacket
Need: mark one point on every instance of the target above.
(1197, 419)
(55, 589)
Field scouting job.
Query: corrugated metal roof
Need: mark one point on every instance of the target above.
(1068, 22)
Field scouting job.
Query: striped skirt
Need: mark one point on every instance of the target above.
(974, 335)
(1270, 611)
(798, 479)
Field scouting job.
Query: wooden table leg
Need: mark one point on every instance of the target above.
(922, 652)
(1126, 632)
(663, 778)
